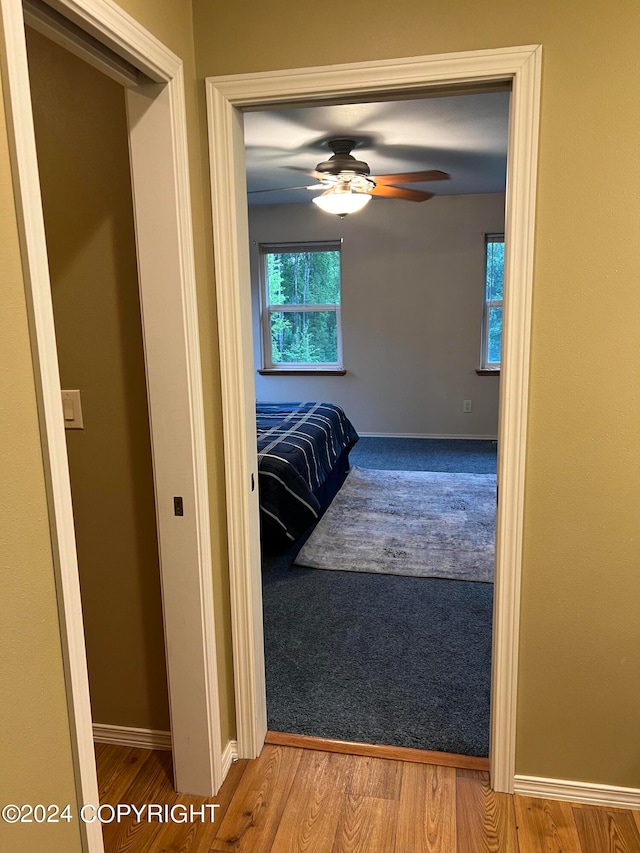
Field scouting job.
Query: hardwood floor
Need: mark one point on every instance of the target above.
(305, 801)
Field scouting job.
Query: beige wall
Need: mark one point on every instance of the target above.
(83, 157)
(35, 749)
(579, 690)
(412, 287)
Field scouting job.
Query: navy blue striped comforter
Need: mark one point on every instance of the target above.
(299, 444)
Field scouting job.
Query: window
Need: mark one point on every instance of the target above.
(493, 290)
(300, 295)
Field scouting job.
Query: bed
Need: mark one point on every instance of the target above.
(303, 458)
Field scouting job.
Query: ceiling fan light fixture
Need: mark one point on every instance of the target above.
(341, 203)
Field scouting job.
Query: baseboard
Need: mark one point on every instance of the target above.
(229, 755)
(426, 435)
(129, 736)
(153, 739)
(578, 792)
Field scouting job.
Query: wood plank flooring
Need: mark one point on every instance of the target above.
(307, 801)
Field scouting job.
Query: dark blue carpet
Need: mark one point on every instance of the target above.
(457, 456)
(381, 658)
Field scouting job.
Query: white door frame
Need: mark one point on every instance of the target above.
(159, 163)
(226, 98)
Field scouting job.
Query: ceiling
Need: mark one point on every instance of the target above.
(463, 134)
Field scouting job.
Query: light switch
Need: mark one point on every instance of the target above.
(72, 410)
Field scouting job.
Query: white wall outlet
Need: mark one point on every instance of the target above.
(466, 406)
(72, 410)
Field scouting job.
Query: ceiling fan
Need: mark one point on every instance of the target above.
(348, 183)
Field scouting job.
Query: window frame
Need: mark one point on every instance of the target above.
(268, 365)
(487, 305)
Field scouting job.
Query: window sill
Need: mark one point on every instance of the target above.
(483, 372)
(338, 371)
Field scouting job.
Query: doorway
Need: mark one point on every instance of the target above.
(154, 93)
(379, 313)
(227, 97)
(83, 157)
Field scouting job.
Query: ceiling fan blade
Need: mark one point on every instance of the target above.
(311, 172)
(411, 177)
(283, 189)
(399, 192)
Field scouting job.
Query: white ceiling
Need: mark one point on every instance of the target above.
(464, 135)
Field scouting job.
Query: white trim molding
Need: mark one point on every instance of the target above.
(131, 736)
(229, 755)
(191, 655)
(426, 435)
(226, 98)
(158, 154)
(21, 138)
(231, 242)
(590, 793)
(114, 28)
(153, 739)
(51, 24)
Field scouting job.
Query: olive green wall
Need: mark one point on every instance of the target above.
(579, 684)
(171, 22)
(579, 690)
(83, 159)
(35, 749)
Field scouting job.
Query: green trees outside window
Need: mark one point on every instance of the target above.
(301, 305)
(493, 296)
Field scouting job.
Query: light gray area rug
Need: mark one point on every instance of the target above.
(415, 523)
